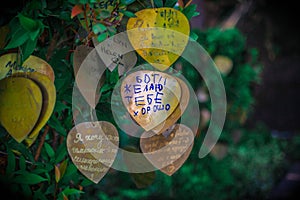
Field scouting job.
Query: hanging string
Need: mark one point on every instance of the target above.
(152, 3)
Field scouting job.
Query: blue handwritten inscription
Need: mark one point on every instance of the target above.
(150, 97)
(144, 93)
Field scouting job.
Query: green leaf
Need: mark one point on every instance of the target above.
(65, 15)
(50, 189)
(86, 182)
(111, 30)
(128, 13)
(61, 152)
(63, 167)
(28, 48)
(28, 23)
(143, 180)
(104, 14)
(196, 14)
(22, 163)
(34, 34)
(57, 174)
(11, 162)
(102, 37)
(99, 28)
(194, 36)
(127, 2)
(60, 107)
(189, 11)
(170, 3)
(113, 77)
(26, 191)
(56, 124)
(71, 169)
(19, 38)
(39, 194)
(83, 1)
(49, 150)
(28, 178)
(158, 3)
(106, 87)
(71, 191)
(22, 148)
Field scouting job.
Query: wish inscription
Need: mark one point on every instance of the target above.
(93, 147)
(150, 96)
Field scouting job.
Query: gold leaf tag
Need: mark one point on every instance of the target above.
(145, 35)
(93, 147)
(168, 151)
(20, 106)
(224, 64)
(172, 119)
(150, 97)
(49, 98)
(9, 66)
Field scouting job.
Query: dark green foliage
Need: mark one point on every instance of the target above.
(249, 169)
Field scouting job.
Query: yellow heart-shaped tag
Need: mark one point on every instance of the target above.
(150, 97)
(20, 106)
(49, 98)
(9, 66)
(156, 35)
(172, 119)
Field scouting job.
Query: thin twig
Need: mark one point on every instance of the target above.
(236, 15)
(52, 46)
(38, 151)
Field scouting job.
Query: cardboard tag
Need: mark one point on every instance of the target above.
(93, 147)
(80, 53)
(111, 51)
(151, 43)
(150, 97)
(168, 151)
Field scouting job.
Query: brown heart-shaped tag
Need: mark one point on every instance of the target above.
(93, 147)
(150, 97)
(83, 82)
(172, 119)
(168, 151)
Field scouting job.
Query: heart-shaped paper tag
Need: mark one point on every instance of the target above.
(168, 151)
(93, 147)
(49, 99)
(112, 52)
(9, 65)
(20, 106)
(160, 47)
(172, 119)
(150, 97)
